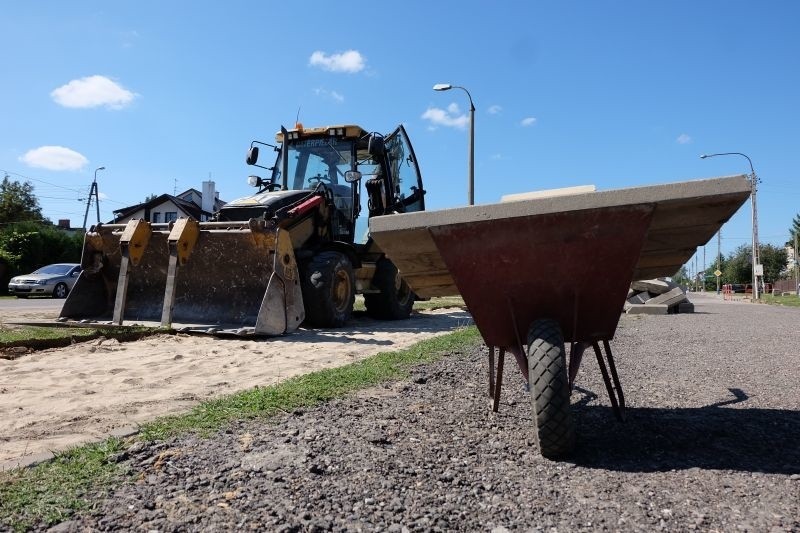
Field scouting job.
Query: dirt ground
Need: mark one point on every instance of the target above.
(55, 399)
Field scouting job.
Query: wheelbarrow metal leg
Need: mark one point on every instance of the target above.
(615, 389)
(496, 380)
(613, 368)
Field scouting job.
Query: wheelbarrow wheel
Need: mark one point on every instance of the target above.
(547, 374)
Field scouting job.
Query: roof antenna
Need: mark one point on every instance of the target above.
(297, 123)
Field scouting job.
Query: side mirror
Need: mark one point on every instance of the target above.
(352, 175)
(375, 145)
(252, 155)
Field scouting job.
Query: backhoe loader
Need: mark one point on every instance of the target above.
(268, 262)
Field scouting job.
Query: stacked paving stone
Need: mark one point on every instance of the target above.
(657, 297)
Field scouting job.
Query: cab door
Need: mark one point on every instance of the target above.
(406, 188)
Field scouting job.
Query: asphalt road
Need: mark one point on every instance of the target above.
(12, 308)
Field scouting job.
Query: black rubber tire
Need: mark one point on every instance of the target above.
(396, 299)
(60, 291)
(328, 286)
(549, 384)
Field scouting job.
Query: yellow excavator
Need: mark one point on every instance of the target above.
(268, 262)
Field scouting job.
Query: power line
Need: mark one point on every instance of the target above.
(11, 173)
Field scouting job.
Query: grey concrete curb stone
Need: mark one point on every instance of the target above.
(648, 309)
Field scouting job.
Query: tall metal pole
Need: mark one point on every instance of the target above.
(704, 269)
(756, 253)
(471, 186)
(471, 154)
(719, 242)
(796, 267)
(93, 192)
(754, 211)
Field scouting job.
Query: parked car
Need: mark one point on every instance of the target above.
(51, 280)
(738, 287)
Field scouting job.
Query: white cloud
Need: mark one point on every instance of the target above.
(527, 121)
(683, 139)
(449, 117)
(54, 158)
(102, 195)
(93, 91)
(333, 95)
(494, 109)
(349, 61)
(497, 157)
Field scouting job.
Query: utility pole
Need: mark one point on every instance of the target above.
(93, 192)
(756, 251)
(796, 267)
(719, 242)
(753, 188)
(704, 268)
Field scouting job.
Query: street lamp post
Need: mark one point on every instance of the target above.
(93, 192)
(754, 212)
(471, 164)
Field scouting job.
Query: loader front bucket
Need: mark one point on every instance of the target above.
(215, 277)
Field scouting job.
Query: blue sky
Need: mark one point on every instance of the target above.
(615, 94)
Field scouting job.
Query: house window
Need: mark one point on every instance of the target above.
(170, 216)
(156, 218)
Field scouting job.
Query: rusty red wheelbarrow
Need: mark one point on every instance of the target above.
(539, 272)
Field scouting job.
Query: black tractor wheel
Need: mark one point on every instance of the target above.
(549, 384)
(328, 287)
(396, 299)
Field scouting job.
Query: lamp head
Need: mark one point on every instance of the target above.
(101, 168)
(704, 156)
(442, 87)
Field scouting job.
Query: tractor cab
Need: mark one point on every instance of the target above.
(336, 159)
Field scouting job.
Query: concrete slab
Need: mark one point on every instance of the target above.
(639, 298)
(673, 297)
(645, 309)
(685, 215)
(653, 286)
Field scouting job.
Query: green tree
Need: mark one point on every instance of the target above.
(774, 260)
(681, 277)
(26, 246)
(17, 202)
(738, 266)
(794, 230)
(711, 279)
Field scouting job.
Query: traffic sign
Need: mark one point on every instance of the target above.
(717, 273)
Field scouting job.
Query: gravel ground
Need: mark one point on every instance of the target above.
(710, 444)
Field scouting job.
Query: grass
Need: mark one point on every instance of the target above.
(791, 300)
(426, 305)
(51, 492)
(12, 336)
(35, 337)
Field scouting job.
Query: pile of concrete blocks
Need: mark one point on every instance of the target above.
(657, 297)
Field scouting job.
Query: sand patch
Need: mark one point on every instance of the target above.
(56, 399)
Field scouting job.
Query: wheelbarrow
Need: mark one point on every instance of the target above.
(537, 273)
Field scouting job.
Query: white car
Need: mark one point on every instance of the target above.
(51, 280)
